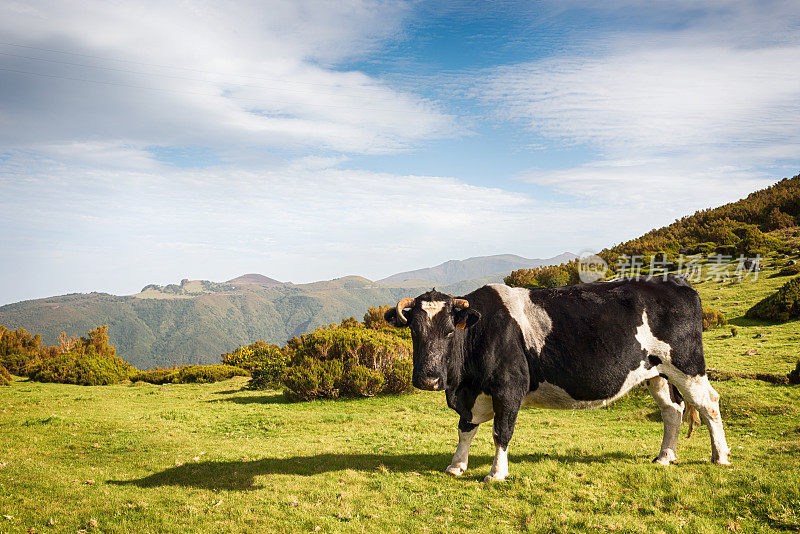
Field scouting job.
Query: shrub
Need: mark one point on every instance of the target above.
(5, 376)
(781, 306)
(265, 361)
(374, 317)
(547, 276)
(189, 374)
(713, 318)
(159, 375)
(86, 361)
(347, 360)
(360, 381)
(312, 379)
(205, 374)
(19, 350)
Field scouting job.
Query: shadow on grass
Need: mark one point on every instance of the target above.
(268, 398)
(240, 475)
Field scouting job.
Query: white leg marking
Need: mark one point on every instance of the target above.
(461, 457)
(499, 466)
(531, 318)
(698, 391)
(671, 414)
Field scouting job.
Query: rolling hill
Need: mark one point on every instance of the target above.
(197, 320)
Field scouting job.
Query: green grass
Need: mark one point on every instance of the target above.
(219, 458)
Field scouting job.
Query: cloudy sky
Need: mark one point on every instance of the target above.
(146, 142)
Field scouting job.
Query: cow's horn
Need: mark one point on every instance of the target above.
(460, 303)
(405, 303)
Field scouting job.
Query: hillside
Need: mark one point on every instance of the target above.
(455, 270)
(222, 458)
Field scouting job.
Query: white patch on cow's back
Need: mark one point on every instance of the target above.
(531, 318)
(432, 307)
(549, 395)
(650, 343)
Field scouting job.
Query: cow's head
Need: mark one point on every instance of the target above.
(434, 319)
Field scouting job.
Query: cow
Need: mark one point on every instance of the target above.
(500, 348)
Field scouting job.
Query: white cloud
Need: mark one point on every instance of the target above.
(686, 118)
(246, 74)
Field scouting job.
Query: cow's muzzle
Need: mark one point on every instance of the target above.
(430, 383)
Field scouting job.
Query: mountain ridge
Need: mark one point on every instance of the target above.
(195, 321)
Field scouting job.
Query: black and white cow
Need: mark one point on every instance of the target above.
(583, 346)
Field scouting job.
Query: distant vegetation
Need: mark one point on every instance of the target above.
(713, 319)
(90, 360)
(781, 306)
(738, 228)
(189, 374)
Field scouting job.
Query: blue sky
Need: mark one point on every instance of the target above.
(147, 142)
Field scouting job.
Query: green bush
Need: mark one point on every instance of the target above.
(312, 379)
(189, 374)
(206, 374)
(5, 376)
(781, 306)
(265, 361)
(20, 350)
(563, 274)
(360, 381)
(86, 361)
(347, 360)
(159, 375)
(713, 318)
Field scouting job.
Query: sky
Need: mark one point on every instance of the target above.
(146, 142)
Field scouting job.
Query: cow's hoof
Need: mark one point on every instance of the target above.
(494, 478)
(455, 470)
(721, 461)
(666, 457)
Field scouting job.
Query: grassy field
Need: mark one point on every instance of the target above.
(219, 458)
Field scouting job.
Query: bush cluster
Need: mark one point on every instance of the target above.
(20, 350)
(713, 318)
(88, 361)
(547, 276)
(781, 306)
(347, 360)
(265, 361)
(189, 374)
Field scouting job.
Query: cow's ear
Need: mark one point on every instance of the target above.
(466, 317)
(391, 317)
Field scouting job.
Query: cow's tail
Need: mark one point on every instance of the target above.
(691, 416)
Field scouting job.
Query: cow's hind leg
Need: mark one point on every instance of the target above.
(698, 391)
(466, 431)
(671, 413)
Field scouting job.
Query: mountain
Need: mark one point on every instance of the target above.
(455, 270)
(254, 279)
(195, 321)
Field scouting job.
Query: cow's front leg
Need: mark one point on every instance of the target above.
(466, 431)
(505, 417)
